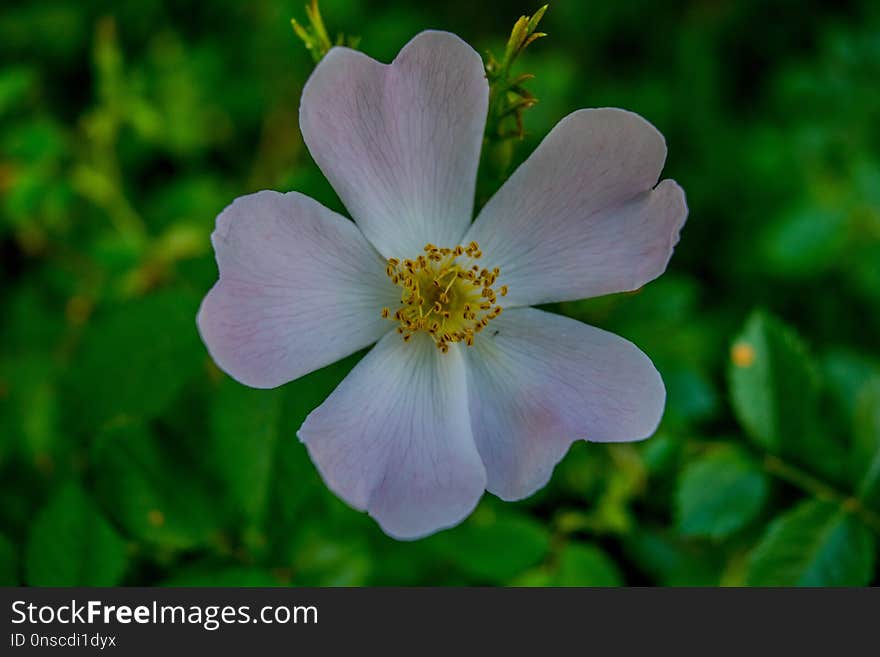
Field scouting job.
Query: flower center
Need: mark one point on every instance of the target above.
(445, 294)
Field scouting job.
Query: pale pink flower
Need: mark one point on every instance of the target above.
(455, 398)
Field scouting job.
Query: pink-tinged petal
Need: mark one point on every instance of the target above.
(394, 438)
(400, 143)
(538, 381)
(581, 217)
(299, 288)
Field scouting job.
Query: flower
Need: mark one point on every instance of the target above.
(456, 397)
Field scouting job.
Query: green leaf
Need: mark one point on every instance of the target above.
(135, 360)
(690, 395)
(719, 494)
(806, 241)
(29, 409)
(662, 453)
(815, 544)
(492, 548)
(540, 576)
(15, 84)
(578, 564)
(581, 564)
(31, 323)
(866, 452)
(225, 576)
(245, 427)
(295, 485)
(846, 373)
(8, 563)
(775, 394)
(671, 561)
(152, 490)
(71, 544)
(295, 481)
(773, 383)
(536, 18)
(321, 560)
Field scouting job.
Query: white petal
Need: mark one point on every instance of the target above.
(395, 439)
(299, 288)
(538, 382)
(400, 143)
(581, 217)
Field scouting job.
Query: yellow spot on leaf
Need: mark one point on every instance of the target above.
(78, 310)
(742, 354)
(156, 518)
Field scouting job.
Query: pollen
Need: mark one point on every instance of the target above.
(445, 294)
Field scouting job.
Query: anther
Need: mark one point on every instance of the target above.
(450, 300)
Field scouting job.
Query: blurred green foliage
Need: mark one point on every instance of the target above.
(127, 457)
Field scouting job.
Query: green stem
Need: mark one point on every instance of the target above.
(820, 489)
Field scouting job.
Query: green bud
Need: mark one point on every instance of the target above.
(315, 36)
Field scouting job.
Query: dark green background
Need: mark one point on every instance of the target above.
(127, 457)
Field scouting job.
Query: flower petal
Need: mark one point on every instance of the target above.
(395, 439)
(538, 382)
(579, 217)
(299, 288)
(400, 143)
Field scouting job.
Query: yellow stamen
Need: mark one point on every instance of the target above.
(444, 294)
